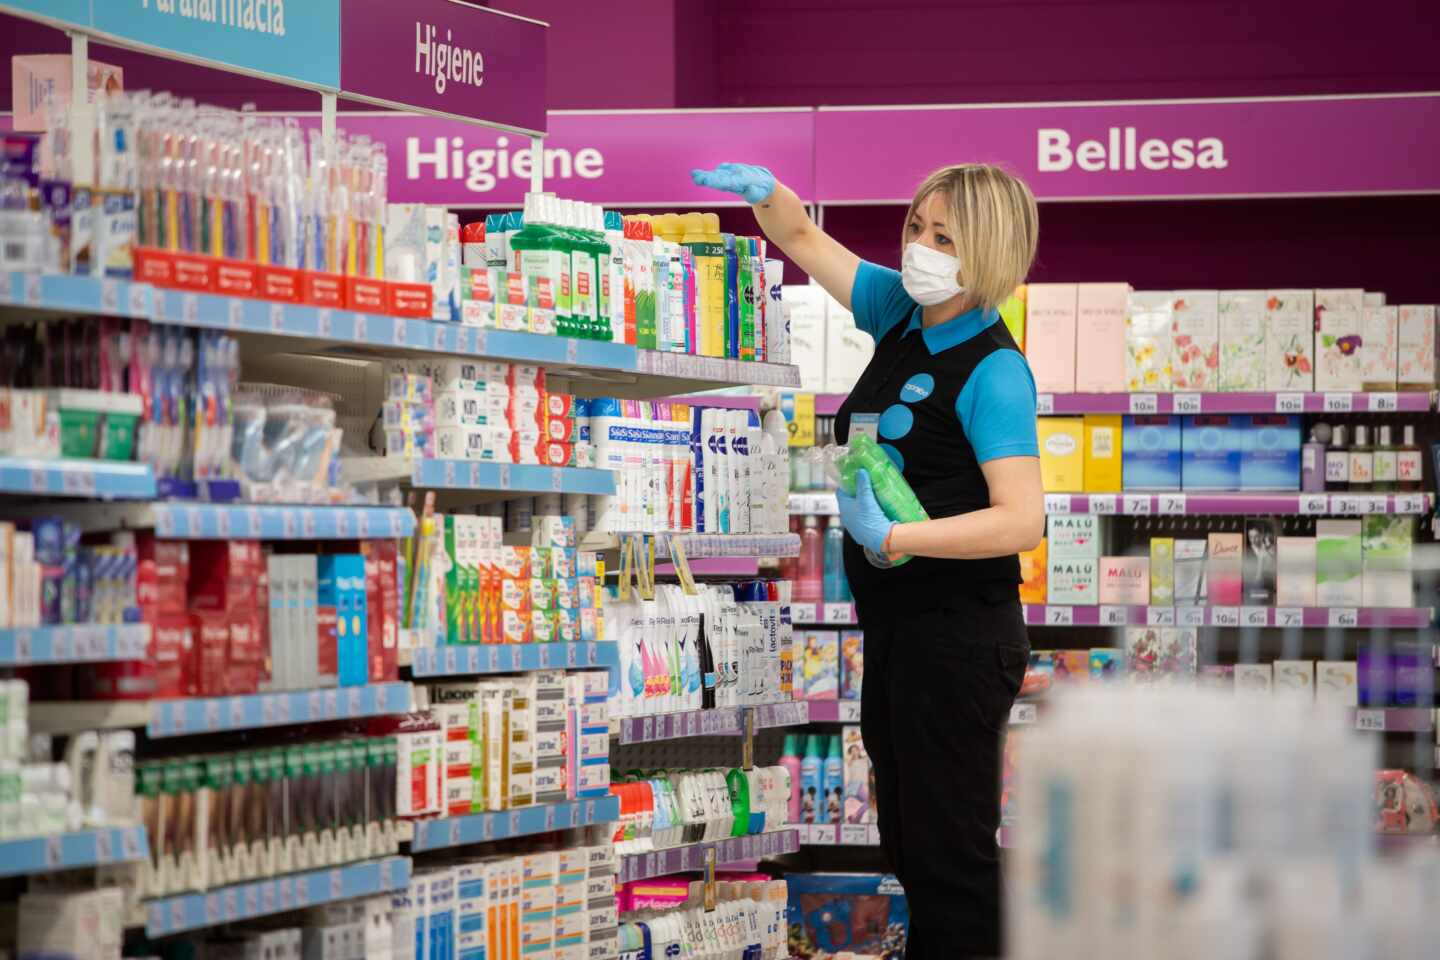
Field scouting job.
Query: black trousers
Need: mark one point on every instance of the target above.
(941, 672)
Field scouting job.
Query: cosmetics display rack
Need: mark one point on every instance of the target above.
(102, 479)
(838, 834)
(1261, 402)
(694, 856)
(452, 660)
(475, 475)
(823, 614)
(73, 851)
(246, 901)
(489, 827)
(1188, 504)
(201, 715)
(1363, 618)
(720, 722)
(73, 643)
(646, 372)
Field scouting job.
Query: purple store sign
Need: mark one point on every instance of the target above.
(1140, 150)
(625, 158)
(445, 56)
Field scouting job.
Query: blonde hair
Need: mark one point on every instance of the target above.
(993, 224)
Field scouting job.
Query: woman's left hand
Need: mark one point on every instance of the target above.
(862, 515)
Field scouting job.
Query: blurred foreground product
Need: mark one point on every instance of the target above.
(1208, 827)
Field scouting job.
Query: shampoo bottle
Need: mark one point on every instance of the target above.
(790, 760)
(811, 775)
(1385, 460)
(837, 588)
(834, 783)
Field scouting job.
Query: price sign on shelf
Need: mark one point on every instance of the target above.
(1104, 504)
(361, 334)
(1058, 503)
(397, 331)
(1113, 616)
(1289, 617)
(1143, 403)
(1136, 504)
(1190, 616)
(1348, 505)
(32, 290)
(135, 300)
(190, 308)
(1225, 616)
(1410, 503)
(1338, 403)
(1045, 404)
(1022, 713)
(1172, 504)
(234, 313)
(1384, 403)
(324, 320)
(1289, 403)
(1371, 720)
(1059, 616)
(839, 613)
(277, 318)
(1255, 616)
(803, 613)
(1344, 617)
(332, 704)
(1312, 504)
(1186, 403)
(849, 711)
(854, 834)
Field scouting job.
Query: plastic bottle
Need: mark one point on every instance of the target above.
(708, 254)
(612, 278)
(790, 760)
(837, 588)
(776, 443)
(1337, 461)
(1385, 460)
(543, 256)
(1362, 461)
(1408, 462)
(833, 781)
(790, 566)
(1312, 459)
(809, 583)
(811, 775)
(894, 494)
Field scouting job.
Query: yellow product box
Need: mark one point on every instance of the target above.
(1162, 571)
(515, 626)
(1103, 472)
(1012, 311)
(1062, 454)
(514, 594)
(1032, 574)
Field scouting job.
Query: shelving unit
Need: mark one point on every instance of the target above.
(1262, 402)
(641, 866)
(1190, 504)
(464, 660)
(719, 722)
(91, 479)
(1346, 618)
(73, 851)
(479, 476)
(488, 827)
(73, 643)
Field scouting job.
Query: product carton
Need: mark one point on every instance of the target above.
(821, 665)
(1050, 313)
(1294, 678)
(1295, 572)
(1379, 349)
(1210, 448)
(1125, 581)
(1162, 571)
(1260, 561)
(1073, 535)
(1195, 344)
(1270, 451)
(40, 83)
(1147, 342)
(1190, 581)
(1100, 337)
(1338, 319)
(1242, 340)
(1223, 568)
(1338, 563)
(1415, 348)
(1070, 666)
(1253, 679)
(1387, 578)
(858, 808)
(1073, 580)
(1289, 340)
(1160, 655)
(1103, 468)
(852, 664)
(1150, 453)
(1062, 454)
(1335, 682)
(1106, 663)
(1033, 569)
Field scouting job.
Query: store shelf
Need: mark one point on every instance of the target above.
(823, 614)
(702, 545)
(1393, 719)
(260, 898)
(795, 713)
(1262, 402)
(1053, 615)
(75, 716)
(718, 370)
(180, 718)
(837, 834)
(73, 851)
(73, 643)
(103, 479)
(1239, 504)
(475, 475)
(819, 503)
(715, 567)
(719, 722)
(485, 827)
(468, 659)
(641, 866)
(208, 521)
(834, 711)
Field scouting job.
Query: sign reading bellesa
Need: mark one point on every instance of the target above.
(1119, 152)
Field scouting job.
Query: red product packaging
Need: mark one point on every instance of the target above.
(382, 600)
(224, 575)
(322, 289)
(559, 405)
(556, 453)
(211, 632)
(162, 574)
(238, 278)
(327, 657)
(193, 272)
(409, 299)
(279, 283)
(249, 638)
(153, 266)
(171, 644)
(363, 293)
(560, 430)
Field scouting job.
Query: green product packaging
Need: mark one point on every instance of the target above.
(739, 786)
(893, 493)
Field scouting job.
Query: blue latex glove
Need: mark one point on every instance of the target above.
(863, 517)
(754, 184)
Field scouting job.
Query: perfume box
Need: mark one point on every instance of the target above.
(1050, 335)
(1147, 342)
(1160, 655)
(1103, 434)
(1100, 339)
(1195, 341)
(1338, 338)
(1073, 535)
(1210, 452)
(1062, 454)
(1242, 340)
(1125, 580)
(1217, 676)
(1073, 580)
(1289, 340)
(1033, 568)
(1106, 663)
(1338, 563)
(1070, 666)
(1415, 347)
(1295, 572)
(1295, 678)
(1260, 561)
(1395, 675)
(1387, 577)
(1150, 453)
(1253, 679)
(1223, 568)
(1335, 682)
(1269, 451)
(1162, 571)
(1379, 350)
(1191, 584)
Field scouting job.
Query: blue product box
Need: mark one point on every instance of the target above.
(1210, 448)
(861, 913)
(1270, 455)
(1150, 453)
(1401, 675)
(340, 583)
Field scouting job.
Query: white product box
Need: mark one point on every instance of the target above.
(1336, 682)
(847, 348)
(1289, 340)
(1339, 317)
(1253, 679)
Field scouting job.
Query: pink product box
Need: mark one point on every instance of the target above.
(41, 79)
(1379, 350)
(1195, 344)
(1224, 568)
(1415, 347)
(1100, 337)
(1125, 580)
(1050, 321)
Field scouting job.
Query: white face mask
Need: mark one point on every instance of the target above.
(929, 275)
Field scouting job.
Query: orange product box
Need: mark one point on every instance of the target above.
(515, 627)
(515, 594)
(560, 430)
(364, 293)
(409, 299)
(1071, 666)
(279, 283)
(556, 453)
(237, 278)
(324, 290)
(1033, 568)
(514, 562)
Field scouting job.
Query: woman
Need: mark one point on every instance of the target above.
(951, 399)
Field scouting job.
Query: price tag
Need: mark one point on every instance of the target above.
(177, 913)
(1348, 505)
(385, 881)
(449, 473)
(253, 524)
(252, 899)
(804, 613)
(1186, 403)
(237, 713)
(1289, 403)
(267, 711)
(1022, 713)
(307, 523)
(504, 476)
(337, 884)
(361, 334)
(213, 916)
(439, 339)
(1255, 616)
(572, 656)
(1312, 504)
(78, 481)
(647, 729)
(1190, 616)
(314, 705)
(1112, 616)
(302, 891)
(572, 350)
(557, 480)
(342, 524)
(1045, 404)
(1225, 616)
(1059, 616)
(231, 906)
(353, 702)
(397, 331)
(513, 827)
(277, 318)
(1057, 503)
(212, 715)
(487, 827)
(190, 309)
(549, 817)
(1372, 720)
(453, 837)
(1172, 504)
(1410, 503)
(1338, 402)
(1289, 617)
(1376, 504)
(135, 298)
(839, 613)
(289, 524)
(159, 309)
(32, 290)
(1384, 403)
(39, 480)
(22, 646)
(130, 843)
(287, 893)
(282, 709)
(324, 319)
(1104, 505)
(109, 295)
(1344, 617)
(849, 711)
(452, 659)
(1135, 504)
(1144, 403)
(222, 523)
(267, 897)
(481, 342)
(104, 846)
(853, 834)
(332, 704)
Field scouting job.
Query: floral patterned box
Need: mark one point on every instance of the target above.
(1242, 340)
(1195, 341)
(1290, 340)
(1161, 655)
(1378, 351)
(1415, 367)
(1338, 316)
(1147, 342)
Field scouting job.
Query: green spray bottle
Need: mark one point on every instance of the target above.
(893, 493)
